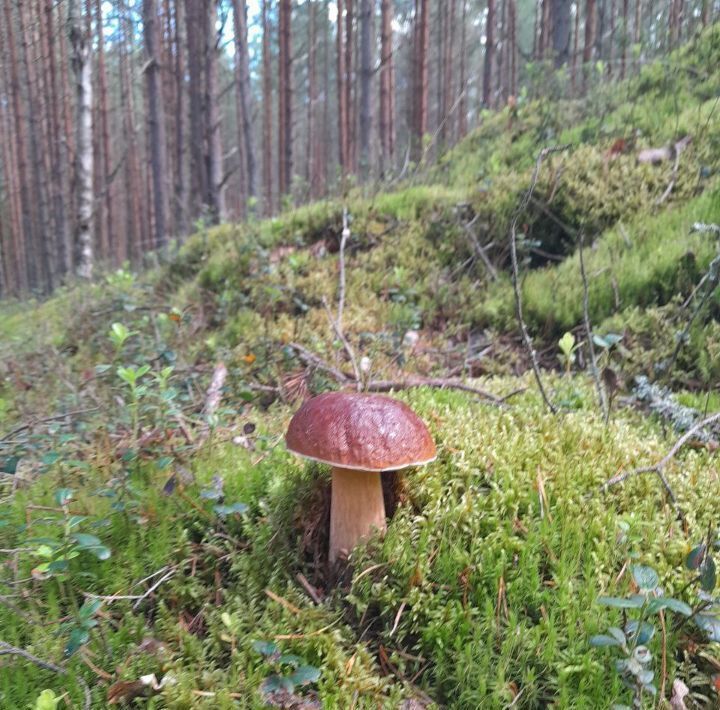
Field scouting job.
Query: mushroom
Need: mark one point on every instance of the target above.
(359, 435)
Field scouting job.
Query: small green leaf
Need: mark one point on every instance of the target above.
(276, 683)
(47, 700)
(708, 575)
(710, 625)
(675, 605)
(78, 638)
(9, 464)
(603, 640)
(63, 496)
(634, 602)
(695, 556)
(290, 659)
(89, 608)
(267, 648)
(645, 577)
(305, 674)
(230, 509)
(647, 631)
(85, 540)
(226, 619)
(75, 520)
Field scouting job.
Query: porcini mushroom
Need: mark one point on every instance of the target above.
(359, 435)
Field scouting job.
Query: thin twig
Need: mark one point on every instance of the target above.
(516, 275)
(7, 649)
(341, 258)
(54, 417)
(162, 579)
(311, 591)
(348, 348)
(659, 468)
(438, 382)
(588, 332)
(313, 360)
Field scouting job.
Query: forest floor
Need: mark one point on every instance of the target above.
(162, 548)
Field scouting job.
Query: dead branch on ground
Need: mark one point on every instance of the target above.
(659, 468)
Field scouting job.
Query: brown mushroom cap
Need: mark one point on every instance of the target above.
(369, 432)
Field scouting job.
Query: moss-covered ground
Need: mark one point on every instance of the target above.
(483, 592)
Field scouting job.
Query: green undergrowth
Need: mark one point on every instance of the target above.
(483, 592)
(484, 585)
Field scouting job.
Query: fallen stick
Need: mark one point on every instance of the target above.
(437, 382)
(7, 649)
(659, 468)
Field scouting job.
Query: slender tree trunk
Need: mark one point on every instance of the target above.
(195, 21)
(386, 64)
(341, 94)
(131, 247)
(285, 152)
(244, 90)
(214, 159)
(611, 40)
(637, 30)
(560, 10)
(589, 41)
(349, 82)
(180, 206)
(312, 151)
(267, 109)
(624, 39)
(422, 29)
(59, 149)
(367, 13)
(448, 74)
(323, 145)
(462, 121)
(104, 159)
(489, 54)
(576, 44)
(81, 46)
(156, 123)
(43, 242)
(14, 186)
(513, 48)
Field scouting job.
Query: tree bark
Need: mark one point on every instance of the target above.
(267, 109)
(489, 54)
(560, 10)
(214, 157)
(589, 41)
(367, 13)
(244, 91)
(341, 95)
(156, 123)
(463, 103)
(285, 147)
(386, 64)
(180, 206)
(350, 114)
(81, 46)
(422, 29)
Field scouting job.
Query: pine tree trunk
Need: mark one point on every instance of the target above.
(463, 104)
(267, 110)
(560, 10)
(589, 41)
(624, 38)
(576, 42)
(489, 54)
(311, 154)
(386, 63)
(341, 95)
(104, 158)
(285, 152)
(214, 159)
(59, 150)
(448, 73)
(244, 91)
(195, 21)
(156, 123)
(367, 13)
(349, 112)
(180, 206)
(43, 242)
(422, 29)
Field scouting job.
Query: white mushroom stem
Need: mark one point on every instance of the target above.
(357, 509)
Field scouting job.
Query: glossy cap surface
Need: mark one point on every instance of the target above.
(362, 431)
